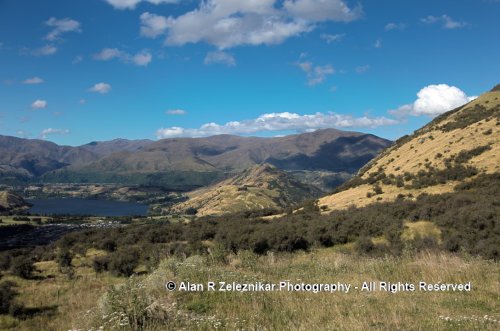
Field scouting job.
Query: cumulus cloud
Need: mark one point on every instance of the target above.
(45, 50)
(39, 104)
(220, 57)
(50, 131)
(230, 23)
(33, 80)
(131, 4)
(142, 58)
(176, 112)
(323, 10)
(446, 21)
(61, 26)
(433, 100)
(101, 88)
(277, 122)
(315, 74)
(378, 43)
(153, 25)
(331, 38)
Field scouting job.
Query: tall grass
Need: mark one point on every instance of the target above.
(164, 310)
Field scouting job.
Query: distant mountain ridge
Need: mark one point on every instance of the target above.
(185, 161)
(102, 148)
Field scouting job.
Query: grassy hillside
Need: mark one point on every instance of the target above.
(262, 187)
(455, 147)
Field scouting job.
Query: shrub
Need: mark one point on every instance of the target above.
(123, 263)
(64, 259)
(365, 245)
(100, 264)
(22, 267)
(7, 295)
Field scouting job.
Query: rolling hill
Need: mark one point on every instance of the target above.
(454, 148)
(261, 187)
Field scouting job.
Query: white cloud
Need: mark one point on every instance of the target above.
(131, 4)
(433, 100)
(315, 74)
(50, 131)
(153, 25)
(176, 112)
(142, 58)
(45, 50)
(395, 26)
(39, 104)
(322, 10)
(277, 122)
(82, 101)
(363, 69)
(108, 54)
(101, 88)
(61, 26)
(446, 21)
(331, 38)
(230, 23)
(378, 43)
(33, 80)
(220, 57)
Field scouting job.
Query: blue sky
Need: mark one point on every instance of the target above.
(75, 71)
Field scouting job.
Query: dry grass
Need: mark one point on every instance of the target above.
(82, 302)
(424, 149)
(58, 302)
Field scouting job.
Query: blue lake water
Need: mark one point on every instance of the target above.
(75, 206)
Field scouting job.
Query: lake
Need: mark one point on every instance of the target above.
(76, 206)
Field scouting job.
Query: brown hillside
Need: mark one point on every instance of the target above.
(257, 188)
(11, 202)
(455, 147)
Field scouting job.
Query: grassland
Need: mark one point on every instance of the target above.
(92, 302)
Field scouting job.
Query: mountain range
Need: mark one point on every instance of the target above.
(183, 162)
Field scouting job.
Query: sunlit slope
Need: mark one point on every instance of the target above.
(10, 201)
(257, 188)
(455, 147)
